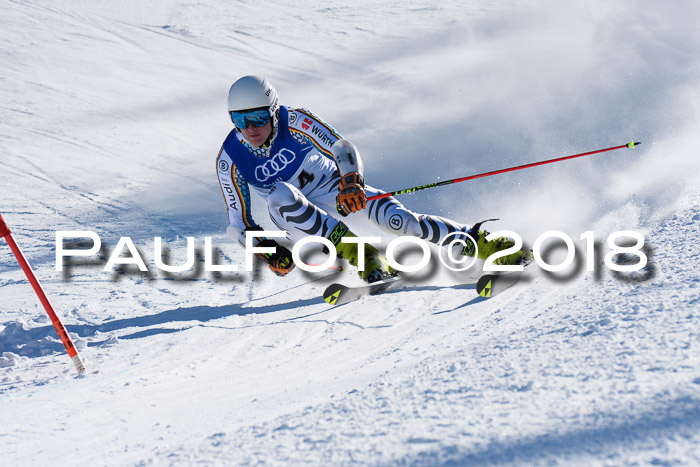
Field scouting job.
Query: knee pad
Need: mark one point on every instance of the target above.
(398, 220)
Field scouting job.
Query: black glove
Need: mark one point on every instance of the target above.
(280, 262)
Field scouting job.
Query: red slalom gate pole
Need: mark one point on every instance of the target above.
(631, 144)
(60, 329)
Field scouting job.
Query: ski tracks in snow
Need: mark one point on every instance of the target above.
(597, 372)
(102, 130)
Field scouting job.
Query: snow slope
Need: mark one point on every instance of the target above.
(111, 116)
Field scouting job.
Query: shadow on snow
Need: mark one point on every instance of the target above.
(40, 341)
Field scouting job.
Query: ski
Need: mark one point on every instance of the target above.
(339, 294)
(487, 286)
(490, 285)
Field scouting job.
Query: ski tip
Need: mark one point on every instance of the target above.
(331, 299)
(490, 285)
(483, 286)
(332, 293)
(486, 290)
(632, 144)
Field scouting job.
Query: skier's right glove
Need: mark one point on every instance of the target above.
(351, 194)
(280, 261)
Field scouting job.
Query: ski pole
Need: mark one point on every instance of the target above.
(60, 329)
(631, 144)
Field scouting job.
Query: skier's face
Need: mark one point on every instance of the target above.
(257, 135)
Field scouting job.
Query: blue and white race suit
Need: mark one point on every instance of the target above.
(297, 177)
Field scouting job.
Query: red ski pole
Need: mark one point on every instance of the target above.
(631, 144)
(60, 329)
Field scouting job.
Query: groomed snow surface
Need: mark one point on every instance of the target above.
(111, 117)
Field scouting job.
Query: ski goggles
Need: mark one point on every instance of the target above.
(258, 118)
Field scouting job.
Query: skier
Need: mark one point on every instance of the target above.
(312, 180)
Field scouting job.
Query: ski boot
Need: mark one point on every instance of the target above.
(488, 248)
(376, 266)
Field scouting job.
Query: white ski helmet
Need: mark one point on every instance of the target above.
(253, 92)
